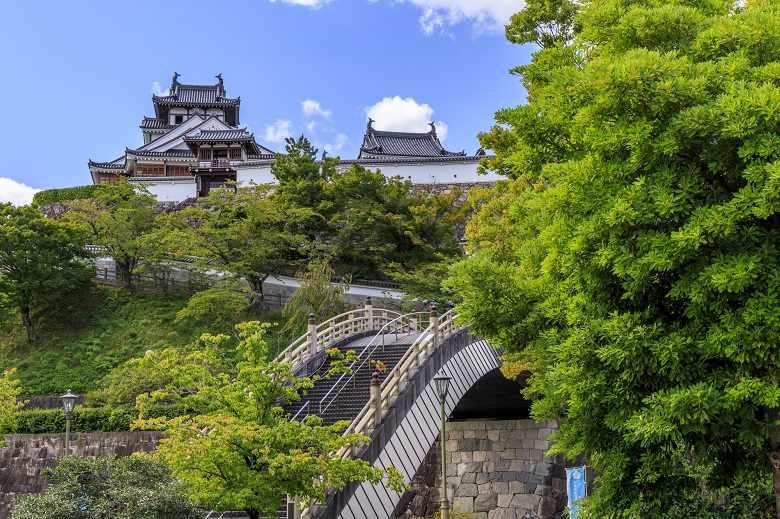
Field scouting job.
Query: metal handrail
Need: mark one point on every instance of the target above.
(304, 406)
(400, 375)
(353, 372)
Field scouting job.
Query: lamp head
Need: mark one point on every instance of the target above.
(68, 402)
(442, 381)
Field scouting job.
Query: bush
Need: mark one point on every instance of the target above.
(64, 194)
(89, 419)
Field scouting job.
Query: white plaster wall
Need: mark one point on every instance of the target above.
(255, 174)
(427, 173)
(177, 191)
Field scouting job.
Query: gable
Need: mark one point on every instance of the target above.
(174, 139)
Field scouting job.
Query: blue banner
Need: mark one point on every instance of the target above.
(576, 489)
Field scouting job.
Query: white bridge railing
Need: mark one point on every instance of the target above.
(322, 336)
(383, 396)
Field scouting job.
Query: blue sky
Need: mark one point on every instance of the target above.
(77, 77)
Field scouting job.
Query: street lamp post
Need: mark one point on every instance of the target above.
(68, 403)
(442, 381)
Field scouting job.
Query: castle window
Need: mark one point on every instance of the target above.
(178, 119)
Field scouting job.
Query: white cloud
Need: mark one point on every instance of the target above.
(404, 115)
(486, 15)
(314, 4)
(335, 147)
(278, 131)
(311, 108)
(16, 192)
(158, 91)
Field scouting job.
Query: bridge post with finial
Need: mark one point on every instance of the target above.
(312, 336)
(435, 329)
(368, 308)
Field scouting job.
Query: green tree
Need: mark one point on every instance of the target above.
(132, 487)
(632, 262)
(316, 295)
(376, 224)
(9, 404)
(117, 219)
(247, 234)
(239, 450)
(41, 263)
(301, 177)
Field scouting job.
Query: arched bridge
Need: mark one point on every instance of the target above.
(400, 412)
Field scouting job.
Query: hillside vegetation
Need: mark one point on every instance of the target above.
(113, 325)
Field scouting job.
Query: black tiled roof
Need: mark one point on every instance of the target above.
(170, 153)
(107, 165)
(200, 95)
(404, 144)
(239, 134)
(156, 124)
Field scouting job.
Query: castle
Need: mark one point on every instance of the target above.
(195, 143)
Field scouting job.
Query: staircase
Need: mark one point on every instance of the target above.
(342, 396)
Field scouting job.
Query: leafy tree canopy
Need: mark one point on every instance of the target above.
(239, 450)
(40, 263)
(117, 219)
(247, 234)
(632, 262)
(133, 487)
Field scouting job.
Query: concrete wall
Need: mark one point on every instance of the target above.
(26, 454)
(495, 470)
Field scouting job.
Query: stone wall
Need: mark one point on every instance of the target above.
(26, 454)
(495, 470)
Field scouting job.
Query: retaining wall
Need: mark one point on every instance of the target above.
(26, 454)
(495, 470)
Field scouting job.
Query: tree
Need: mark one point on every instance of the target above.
(40, 263)
(632, 262)
(301, 178)
(117, 219)
(376, 222)
(238, 449)
(9, 404)
(132, 487)
(244, 233)
(316, 295)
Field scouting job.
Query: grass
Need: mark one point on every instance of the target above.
(111, 325)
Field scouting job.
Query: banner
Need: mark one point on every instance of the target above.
(576, 488)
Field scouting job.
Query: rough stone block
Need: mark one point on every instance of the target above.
(509, 454)
(463, 504)
(482, 478)
(468, 477)
(485, 502)
(493, 435)
(470, 434)
(467, 490)
(502, 513)
(541, 445)
(478, 456)
(525, 501)
(504, 500)
(543, 469)
(516, 487)
(546, 508)
(500, 487)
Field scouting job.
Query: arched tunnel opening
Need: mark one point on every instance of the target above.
(493, 397)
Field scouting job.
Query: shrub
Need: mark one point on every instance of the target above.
(64, 194)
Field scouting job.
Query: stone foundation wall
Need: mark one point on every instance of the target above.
(26, 454)
(495, 470)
